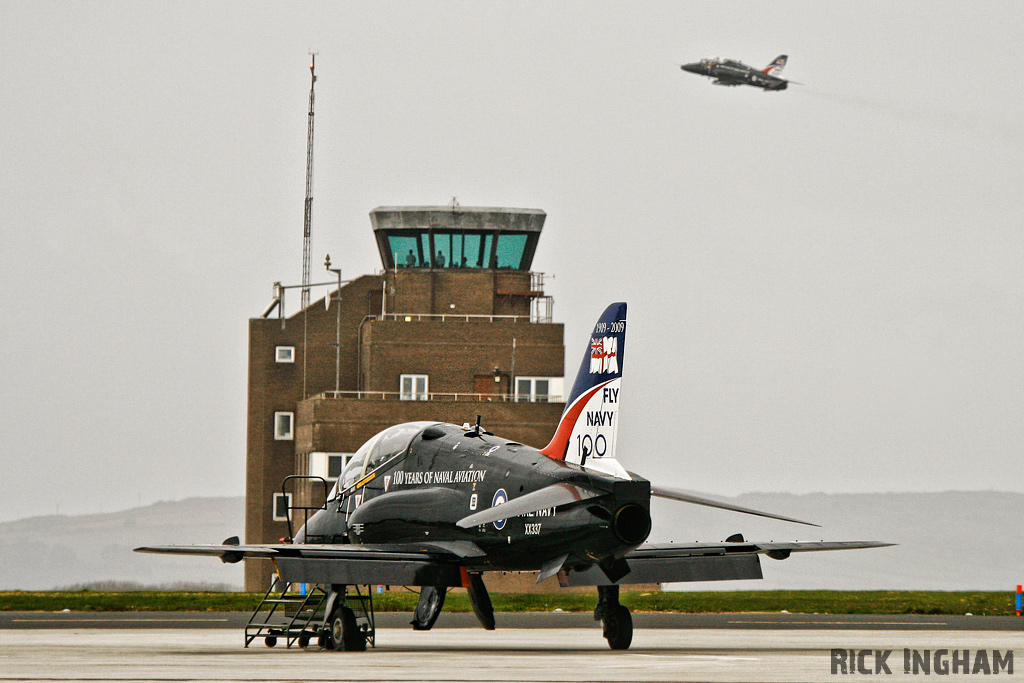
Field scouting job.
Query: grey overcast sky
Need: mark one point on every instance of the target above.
(825, 284)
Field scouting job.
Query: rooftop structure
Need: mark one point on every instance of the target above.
(475, 238)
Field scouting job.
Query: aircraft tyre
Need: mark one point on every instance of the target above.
(429, 607)
(480, 601)
(335, 629)
(618, 627)
(343, 632)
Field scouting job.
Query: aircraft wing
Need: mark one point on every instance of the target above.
(435, 564)
(440, 564)
(678, 562)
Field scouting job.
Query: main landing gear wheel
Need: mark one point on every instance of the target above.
(343, 632)
(614, 617)
(429, 607)
(618, 627)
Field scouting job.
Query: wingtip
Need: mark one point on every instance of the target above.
(784, 519)
(682, 496)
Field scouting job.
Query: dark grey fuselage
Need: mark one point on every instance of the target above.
(731, 72)
(447, 474)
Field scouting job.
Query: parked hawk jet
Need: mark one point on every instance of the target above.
(731, 72)
(436, 505)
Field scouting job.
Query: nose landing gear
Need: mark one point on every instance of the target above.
(343, 633)
(344, 628)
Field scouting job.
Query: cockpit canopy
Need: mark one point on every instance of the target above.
(712, 61)
(379, 450)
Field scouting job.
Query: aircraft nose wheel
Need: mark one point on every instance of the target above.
(343, 632)
(618, 627)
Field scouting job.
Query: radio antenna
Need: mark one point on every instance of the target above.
(307, 222)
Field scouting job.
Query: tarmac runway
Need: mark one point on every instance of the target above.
(477, 655)
(505, 620)
(749, 647)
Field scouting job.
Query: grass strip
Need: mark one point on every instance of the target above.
(401, 600)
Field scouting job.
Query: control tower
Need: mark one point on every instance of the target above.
(454, 326)
(460, 238)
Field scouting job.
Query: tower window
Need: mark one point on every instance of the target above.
(282, 507)
(284, 354)
(283, 426)
(539, 389)
(327, 465)
(414, 387)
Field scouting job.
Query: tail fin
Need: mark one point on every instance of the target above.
(586, 433)
(775, 68)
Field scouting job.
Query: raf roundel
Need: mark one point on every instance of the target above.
(499, 497)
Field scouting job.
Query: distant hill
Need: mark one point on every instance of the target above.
(42, 553)
(948, 541)
(954, 540)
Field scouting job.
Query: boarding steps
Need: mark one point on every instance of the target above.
(287, 613)
(299, 617)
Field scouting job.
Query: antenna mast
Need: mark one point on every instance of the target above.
(308, 217)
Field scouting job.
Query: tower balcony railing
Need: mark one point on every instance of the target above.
(439, 396)
(453, 317)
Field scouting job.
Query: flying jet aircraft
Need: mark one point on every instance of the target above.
(435, 505)
(731, 72)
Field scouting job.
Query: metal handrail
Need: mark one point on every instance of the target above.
(450, 317)
(305, 508)
(436, 396)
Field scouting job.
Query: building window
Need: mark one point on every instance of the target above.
(414, 387)
(282, 507)
(538, 389)
(284, 354)
(327, 465)
(283, 423)
(510, 250)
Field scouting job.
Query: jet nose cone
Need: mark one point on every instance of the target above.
(693, 68)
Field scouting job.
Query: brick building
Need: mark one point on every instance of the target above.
(456, 325)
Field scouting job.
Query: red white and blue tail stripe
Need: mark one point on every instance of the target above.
(587, 432)
(775, 68)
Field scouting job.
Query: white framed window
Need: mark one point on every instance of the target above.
(414, 387)
(327, 465)
(284, 424)
(539, 389)
(284, 354)
(282, 507)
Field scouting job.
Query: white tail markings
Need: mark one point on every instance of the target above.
(775, 68)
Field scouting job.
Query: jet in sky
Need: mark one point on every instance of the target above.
(731, 72)
(435, 505)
